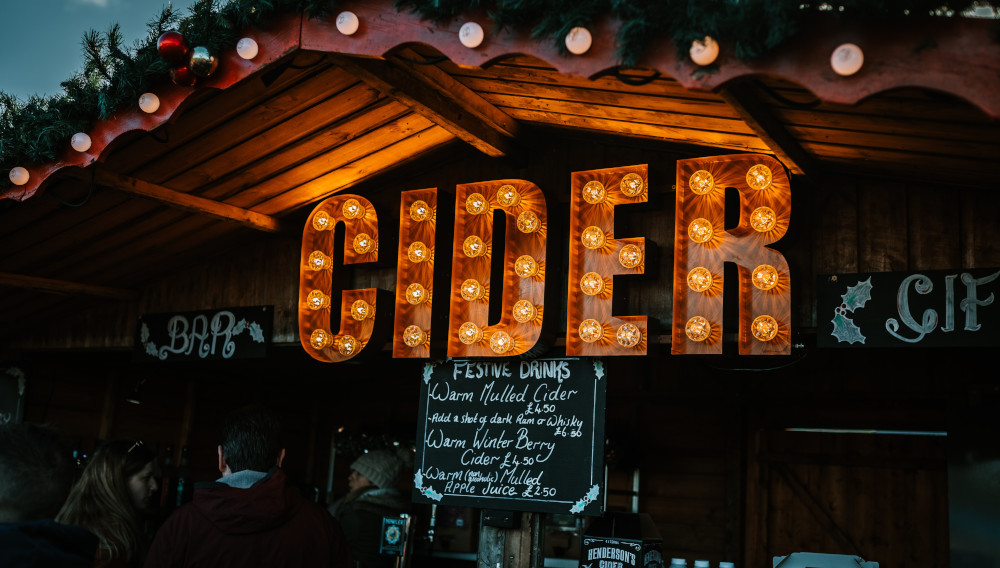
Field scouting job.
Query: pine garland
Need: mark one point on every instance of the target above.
(35, 131)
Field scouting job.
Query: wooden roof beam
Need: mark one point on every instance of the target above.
(785, 147)
(180, 200)
(64, 287)
(435, 94)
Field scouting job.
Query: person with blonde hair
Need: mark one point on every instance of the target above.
(115, 489)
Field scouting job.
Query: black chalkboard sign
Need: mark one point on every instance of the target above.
(227, 333)
(12, 386)
(932, 308)
(518, 435)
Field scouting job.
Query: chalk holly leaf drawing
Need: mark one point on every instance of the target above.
(598, 369)
(589, 498)
(428, 369)
(418, 482)
(844, 329)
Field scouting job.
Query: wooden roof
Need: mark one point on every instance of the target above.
(318, 112)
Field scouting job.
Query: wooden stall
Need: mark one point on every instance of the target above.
(201, 204)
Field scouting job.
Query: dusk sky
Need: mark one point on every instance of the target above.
(42, 41)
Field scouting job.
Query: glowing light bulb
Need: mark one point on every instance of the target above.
(19, 175)
(704, 52)
(420, 211)
(416, 294)
(593, 237)
(469, 333)
(632, 185)
(698, 329)
(362, 310)
(418, 252)
(630, 256)
(593, 192)
(501, 342)
(764, 328)
(473, 246)
(578, 40)
(524, 311)
(319, 261)
(701, 182)
(348, 345)
(628, 335)
(764, 277)
(700, 279)
(759, 176)
(317, 300)
(763, 219)
(80, 142)
(700, 230)
(508, 196)
(413, 336)
(149, 103)
(247, 48)
(363, 243)
(525, 266)
(528, 222)
(353, 209)
(320, 339)
(472, 290)
(471, 35)
(322, 221)
(348, 23)
(847, 59)
(476, 204)
(591, 330)
(592, 284)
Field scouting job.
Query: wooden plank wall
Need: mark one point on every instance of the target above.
(720, 475)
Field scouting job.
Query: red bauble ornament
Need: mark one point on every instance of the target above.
(173, 48)
(183, 76)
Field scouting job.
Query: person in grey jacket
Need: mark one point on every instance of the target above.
(373, 494)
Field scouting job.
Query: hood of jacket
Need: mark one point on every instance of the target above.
(266, 504)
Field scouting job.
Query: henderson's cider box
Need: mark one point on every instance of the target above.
(622, 540)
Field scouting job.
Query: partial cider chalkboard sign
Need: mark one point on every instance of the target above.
(932, 308)
(226, 333)
(517, 435)
(12, 387)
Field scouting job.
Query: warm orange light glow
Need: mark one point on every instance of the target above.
(593, 237)
(701, 251)
(318, 312)
(759, 176)
(413, 336)
(591, 331)
(700, 279)
(764, 328)
(522, 288)
(525, 266)
(418, 252)
(628, 335)
(593, 192)
(596, 254)
(420, 210)
(701, 182)
(476, 204)
(528, 222)
(415, 262)
(353, 209)
(698, 329)
(361, 310)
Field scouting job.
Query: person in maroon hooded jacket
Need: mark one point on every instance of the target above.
(250, 516)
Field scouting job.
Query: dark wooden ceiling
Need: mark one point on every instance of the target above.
(233, 164)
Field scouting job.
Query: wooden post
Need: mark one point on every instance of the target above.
(521, 547)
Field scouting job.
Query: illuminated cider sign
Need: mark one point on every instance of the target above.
(596, 254)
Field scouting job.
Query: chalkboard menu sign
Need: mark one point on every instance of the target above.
(227, 333)
(518, 435)
(930, 308)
